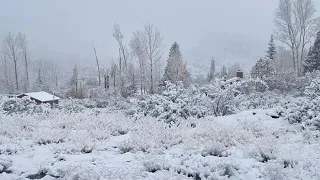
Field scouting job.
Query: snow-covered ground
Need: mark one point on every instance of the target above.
(94, 145)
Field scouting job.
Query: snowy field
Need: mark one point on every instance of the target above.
(96, 145)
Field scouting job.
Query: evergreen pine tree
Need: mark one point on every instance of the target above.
(312, 61)
(224, 72)
(176, 69)
(271, 52)
(39, 81)
(211, 74)
(263, 69)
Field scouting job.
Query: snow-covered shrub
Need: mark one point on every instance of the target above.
(5, 164)
(213, 135)
(264, 154)
(8, 149)
(258, 101)
(177, 103)
(222, 102)
(252, 85)
(125, 146)
(23, 105)
(84, 173)
(79, 142)
(301, 110)
(314, 89)
(153, 135)
(153, 164)
(128, 91)
(217, 149)
(48, 135)
(229, 170)
(286, 82)
(71, 106)
(207, 168)
(98, 93)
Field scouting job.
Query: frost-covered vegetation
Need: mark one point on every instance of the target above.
(97, 144)
(141, 117)
(215, 131)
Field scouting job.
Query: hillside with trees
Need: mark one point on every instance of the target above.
(144, 114)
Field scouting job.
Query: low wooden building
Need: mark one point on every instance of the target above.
(41, 97)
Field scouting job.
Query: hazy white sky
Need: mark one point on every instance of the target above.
(66, 29)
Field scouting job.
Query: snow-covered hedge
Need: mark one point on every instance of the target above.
(173, 104)
(258, 100)
(218, 98)
(314, 89)
(23, 105)
(301, 110)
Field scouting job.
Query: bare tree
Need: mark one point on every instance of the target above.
(117, 34)
(286, 29)
(75, 79)
(24, 53)
(11, 50)
(99, 74)
(304, 11)
(113, 73)
(137, 49)
(5, 73)
(295, 25)
(152, 43)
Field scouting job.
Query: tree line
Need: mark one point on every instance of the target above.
(139, 65)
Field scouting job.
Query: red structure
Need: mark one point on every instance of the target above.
(240, 74)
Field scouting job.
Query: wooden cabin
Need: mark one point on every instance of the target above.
(41, 97)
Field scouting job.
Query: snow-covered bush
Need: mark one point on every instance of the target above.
(216, 149)
(258, 101)
(8, 149)
(5, 164)
(177, 103)
(126, 146)
(286, 82)
(300, 110)
(23, 105)
(98, 93)
(153, 164)
(313, 89)
(71, 106)
(128, 91)
(48, 135)
(151, 136)
(219, 98)
(252, 85)
(222, 102)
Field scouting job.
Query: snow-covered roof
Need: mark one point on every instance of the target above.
(233, 79)
(42, 96)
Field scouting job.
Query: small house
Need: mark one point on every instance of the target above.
(41, 97)
(239, 74)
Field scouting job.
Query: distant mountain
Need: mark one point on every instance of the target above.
(226, 48)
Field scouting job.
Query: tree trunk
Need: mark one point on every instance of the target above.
(298, 61)
(151, 78)
(108, 85)
(56, 81)
(293, 59)
(16, 74)
(99, 75)
(6, 74)
(76, 88)
(120, 61)
(105, 82)
(27, 71)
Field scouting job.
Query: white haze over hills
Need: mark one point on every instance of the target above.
(64, 31)
(226, 49)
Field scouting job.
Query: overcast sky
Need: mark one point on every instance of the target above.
(66, 29)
